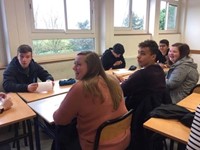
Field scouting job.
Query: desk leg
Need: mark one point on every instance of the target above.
(30, 135)
(37, 136)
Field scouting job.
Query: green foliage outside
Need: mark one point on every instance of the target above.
(64, 46)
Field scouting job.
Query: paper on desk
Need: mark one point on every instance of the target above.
(44, 86)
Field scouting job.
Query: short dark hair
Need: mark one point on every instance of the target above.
(24, 49)
(164, 41)
(183, 48)
(153, 46)
(118, 48)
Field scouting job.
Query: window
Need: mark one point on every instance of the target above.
(61, 28)
(130, 15)
(168, 15)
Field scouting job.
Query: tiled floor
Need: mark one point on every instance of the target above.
(5, 132)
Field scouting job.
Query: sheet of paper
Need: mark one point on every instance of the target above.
(44, 86)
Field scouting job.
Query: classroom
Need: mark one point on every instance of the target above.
(58, 29)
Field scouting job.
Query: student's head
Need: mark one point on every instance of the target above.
(87, 65)
(118, 50)
(164, 46)
(178, 51)
(147, 53)
(24, 55)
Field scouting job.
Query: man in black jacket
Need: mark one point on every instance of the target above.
(22, 72)
(113, 58)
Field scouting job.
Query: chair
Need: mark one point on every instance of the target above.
(111, 128)
(195, 89)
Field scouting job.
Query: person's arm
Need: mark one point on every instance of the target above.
(177, 77)
(131, 85)
(43, 74)
(10, 81)
(122, 63)
(68, 109)
(107, 61)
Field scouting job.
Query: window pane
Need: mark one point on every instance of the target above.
(48, 14)
(139, 8)
(62, 46)
(121, 13)
(172, 13)
(78, 14)
(163, 6)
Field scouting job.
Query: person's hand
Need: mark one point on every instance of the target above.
(117, 63)
(119, 78)
(6, 102)
(51, 81)
(2, 95)
(32, 87)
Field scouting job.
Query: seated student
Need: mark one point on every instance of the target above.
(113, 58)
(162, 56)
(182, 75)
(95, 98)
(22, 72)
(144, 90)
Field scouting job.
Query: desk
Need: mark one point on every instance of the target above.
(169, 128)
(191, 101)
(19, 112)
(47, 106)
(120, 72)
(45, 109)
(57, 89)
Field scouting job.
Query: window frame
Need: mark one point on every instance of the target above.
(175, 3)
(50, 34)
(129, 30)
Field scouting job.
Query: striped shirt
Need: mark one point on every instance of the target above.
(194, 139)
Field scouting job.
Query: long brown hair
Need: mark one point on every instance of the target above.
(90, 80)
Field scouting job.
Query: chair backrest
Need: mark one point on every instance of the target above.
(194, 138)
(111, 128)
(195, 89)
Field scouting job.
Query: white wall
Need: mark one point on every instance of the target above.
(192, 27)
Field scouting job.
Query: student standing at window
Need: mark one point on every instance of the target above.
(113, 58)
(95, 98)
(182, 75)
(22, 72)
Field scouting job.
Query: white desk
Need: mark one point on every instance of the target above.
(47, 106)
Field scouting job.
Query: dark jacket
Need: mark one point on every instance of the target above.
(143, 82)
(16, 79)
(108, 59)
(144, 90)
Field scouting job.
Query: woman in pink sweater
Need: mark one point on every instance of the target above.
(95, 98)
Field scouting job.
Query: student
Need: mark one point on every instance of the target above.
(113, 58)
(150, 79)
(182, 75)
(144, 90)
(95, 98)
(5, 102)
(22, 72)
(162, 56)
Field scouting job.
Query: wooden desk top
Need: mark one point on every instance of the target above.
(19, 111)
(47, 106)
(170, 128)
(191, 101)
(120, 72)
(57, 89)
